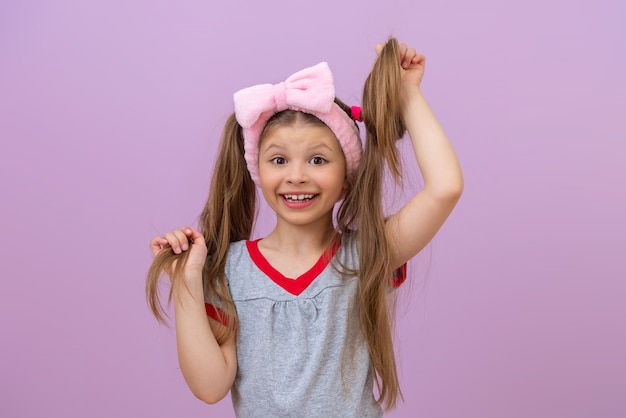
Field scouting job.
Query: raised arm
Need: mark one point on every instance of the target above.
(208, 368)
(417, 222)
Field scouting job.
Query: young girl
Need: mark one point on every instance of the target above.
(298, 322)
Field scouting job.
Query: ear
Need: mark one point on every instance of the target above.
(346, 185)
(344, 189)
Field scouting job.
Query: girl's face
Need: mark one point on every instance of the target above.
(303, 173)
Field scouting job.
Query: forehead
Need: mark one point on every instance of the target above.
(300, 135)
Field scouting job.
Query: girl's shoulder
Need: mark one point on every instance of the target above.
(350, 241)
(347, 254)
(237, 247)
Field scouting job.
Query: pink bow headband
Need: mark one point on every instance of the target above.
(310, 91)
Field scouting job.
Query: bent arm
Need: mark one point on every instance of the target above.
(414, 226)
(208, 368)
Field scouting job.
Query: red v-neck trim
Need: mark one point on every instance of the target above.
(294, 286)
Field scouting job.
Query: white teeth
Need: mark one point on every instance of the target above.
(298, 196)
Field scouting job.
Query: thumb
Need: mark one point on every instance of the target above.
(195, 236)
(379, 47)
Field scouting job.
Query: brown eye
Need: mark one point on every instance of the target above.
(317, 160)
(278, 160)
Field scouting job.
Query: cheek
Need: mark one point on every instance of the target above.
(269, 194)
(266, 174)
(338, 181)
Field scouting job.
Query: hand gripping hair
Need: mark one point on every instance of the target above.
(310, 91)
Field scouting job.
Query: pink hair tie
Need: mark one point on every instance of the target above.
(310, 91)
(356, 113)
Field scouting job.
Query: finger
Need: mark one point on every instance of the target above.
(157, 244)
(419, 59)
(408, 56)
(182, 239)
(401, 49)
(174, 241)
(379, 47)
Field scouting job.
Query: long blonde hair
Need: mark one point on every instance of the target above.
(230, 211)
(363, 210)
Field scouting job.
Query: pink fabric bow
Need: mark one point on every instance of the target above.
(310, 90)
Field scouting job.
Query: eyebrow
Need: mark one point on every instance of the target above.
(321, 145)
(280, 146)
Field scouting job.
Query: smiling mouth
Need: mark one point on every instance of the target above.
(298, 197)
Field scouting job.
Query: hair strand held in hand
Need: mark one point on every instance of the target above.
(227, 217)
(363, 211)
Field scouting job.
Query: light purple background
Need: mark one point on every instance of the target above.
(109, 118)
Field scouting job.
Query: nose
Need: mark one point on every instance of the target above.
(297, 173)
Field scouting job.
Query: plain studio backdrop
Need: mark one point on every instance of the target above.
(110, 113)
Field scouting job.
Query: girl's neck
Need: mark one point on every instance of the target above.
(296, 239)
(294, 249)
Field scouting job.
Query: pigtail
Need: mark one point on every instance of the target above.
(363, 210)
(228, 216)
(382, 108)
